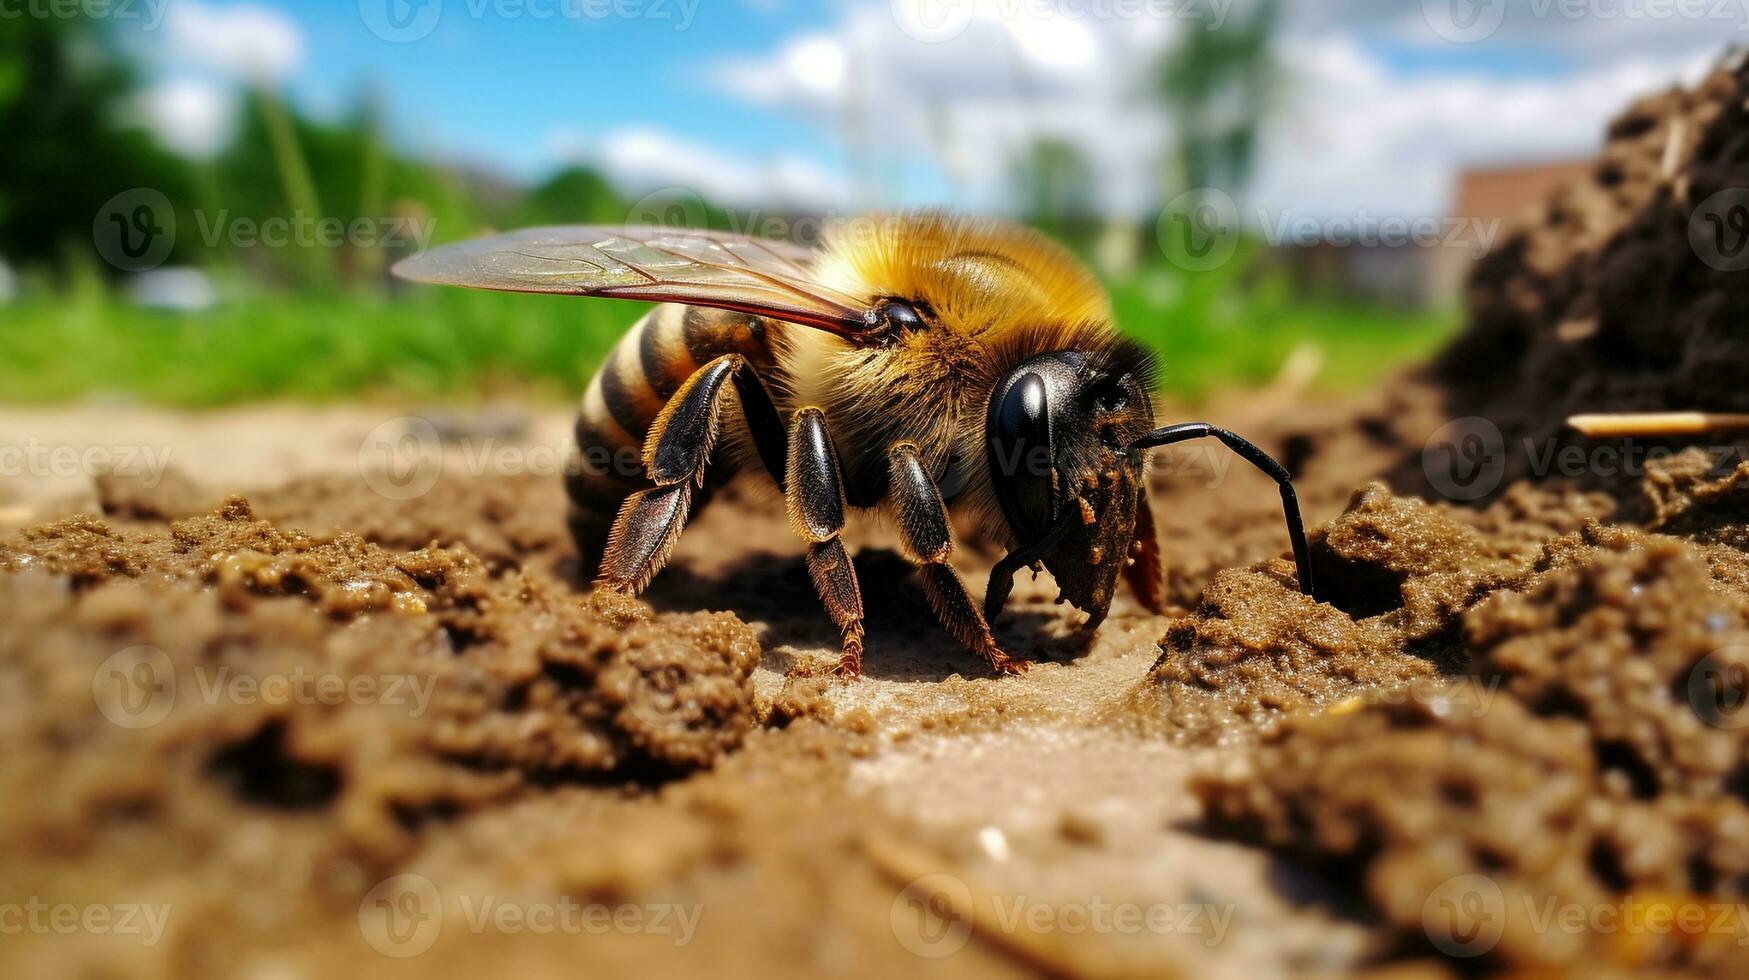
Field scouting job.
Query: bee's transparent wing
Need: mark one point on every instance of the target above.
(662, 265)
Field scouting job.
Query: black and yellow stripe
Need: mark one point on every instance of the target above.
(644, 369)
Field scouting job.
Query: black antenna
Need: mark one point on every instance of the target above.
(1290, 503)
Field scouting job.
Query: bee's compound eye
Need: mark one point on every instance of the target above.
(898, 314)
(1021, 461)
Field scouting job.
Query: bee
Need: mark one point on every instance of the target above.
(912, 361)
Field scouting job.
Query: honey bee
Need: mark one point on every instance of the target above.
(907, 355)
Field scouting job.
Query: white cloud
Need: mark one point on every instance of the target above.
(192, 116)
(1590, 32)
(1353, 137)
(1353, 132)
(974, 100)
(241, 41)
(642, 160)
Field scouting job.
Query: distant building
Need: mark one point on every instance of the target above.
(1383, 268)
(1502, 196)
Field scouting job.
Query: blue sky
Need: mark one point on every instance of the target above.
(494, 88)
(850, 104)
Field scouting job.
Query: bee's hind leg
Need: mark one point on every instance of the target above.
(675, 455)
(814, 498)
(927, 540)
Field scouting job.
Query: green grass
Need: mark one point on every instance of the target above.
(447, 343)
(1212, 335)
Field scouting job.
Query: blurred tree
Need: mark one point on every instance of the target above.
(64, 101)
(574, 195)
(1054, 186)
(284, 164)
(1217, 84)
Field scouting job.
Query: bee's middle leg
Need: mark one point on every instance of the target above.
(814, 498)
(927, 540)
(675, 455)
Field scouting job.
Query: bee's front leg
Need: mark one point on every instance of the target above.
(1144, 569)
(927, 540)
(814, 497)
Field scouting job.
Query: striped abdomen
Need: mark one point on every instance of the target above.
(635, 380)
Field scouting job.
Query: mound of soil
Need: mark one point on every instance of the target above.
(1625, 291)
(1593, 763)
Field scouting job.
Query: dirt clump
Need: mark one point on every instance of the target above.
(1590, 761)
(1622, 293)
(152, 669)
(1395, 576)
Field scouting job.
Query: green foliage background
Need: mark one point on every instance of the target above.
(319, 323)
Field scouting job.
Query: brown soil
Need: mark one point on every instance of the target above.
(321, 731)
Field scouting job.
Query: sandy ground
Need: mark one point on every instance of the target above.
(1024, 789)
